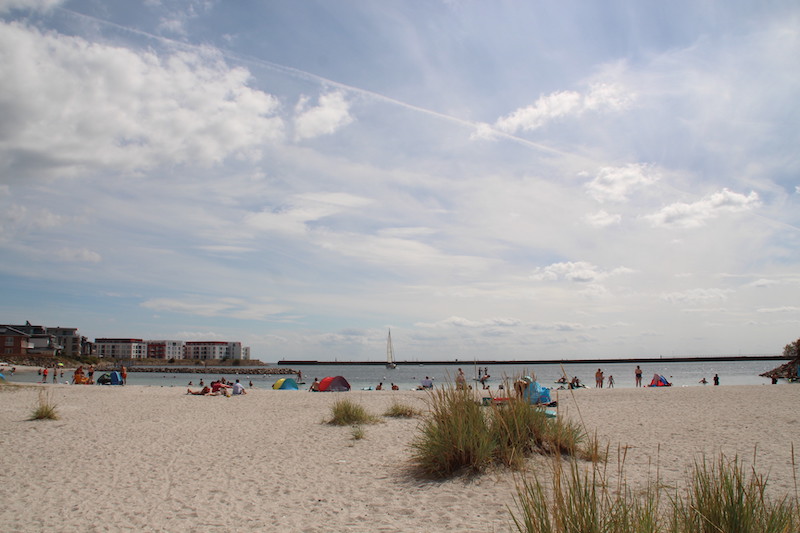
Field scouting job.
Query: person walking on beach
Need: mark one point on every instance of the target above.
(598, 379)
(638, 374)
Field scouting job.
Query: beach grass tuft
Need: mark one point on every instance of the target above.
(357, 432)
(345, 412)
(724, 497)
(45, 408)
(454, 436)
(719, 497)
(458, 435)
(401, 410)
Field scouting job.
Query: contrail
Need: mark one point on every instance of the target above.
(301, 74)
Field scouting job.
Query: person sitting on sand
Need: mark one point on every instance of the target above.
(427, 383)
(219, 386)
(380, 386)
(395, 387)
(205, 391)
(238, 388)
(314, 386)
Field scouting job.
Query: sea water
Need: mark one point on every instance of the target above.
(409, 376)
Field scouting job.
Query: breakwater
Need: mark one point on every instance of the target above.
(602, 360)
(225, 370)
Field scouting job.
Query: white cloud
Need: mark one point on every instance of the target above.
(99, 106)
(600, 97)
(601, 219)
(332, 114)
(579, 271)
(292, 217)
(210, 307)
(617, 183)
(28, 5)
(683, 215)
(461, 322)
(81, 255)
(696, 295)
(784, 309)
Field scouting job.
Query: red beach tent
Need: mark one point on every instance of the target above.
(334, 384)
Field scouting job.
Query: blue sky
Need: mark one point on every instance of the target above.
(508, 180)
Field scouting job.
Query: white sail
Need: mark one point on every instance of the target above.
(390, 363)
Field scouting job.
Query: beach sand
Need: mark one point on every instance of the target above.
(155, 459)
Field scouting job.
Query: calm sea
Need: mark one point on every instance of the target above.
(409, 376)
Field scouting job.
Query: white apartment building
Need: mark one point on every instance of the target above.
(166, 349)
(216, 350)
(120, 348)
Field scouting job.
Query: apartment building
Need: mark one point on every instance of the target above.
(120, 348)
(52, 341)
(166, 349)
(216, 350)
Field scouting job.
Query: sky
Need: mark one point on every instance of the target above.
(513, 180)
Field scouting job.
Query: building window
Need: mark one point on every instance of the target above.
(9, 341)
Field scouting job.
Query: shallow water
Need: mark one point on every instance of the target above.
(409, 376)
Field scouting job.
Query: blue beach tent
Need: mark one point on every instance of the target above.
(285, 384)
(116, 378)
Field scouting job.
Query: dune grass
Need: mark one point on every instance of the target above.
(44, 408)
(401, 410)
(357, 432)
(345, 412)
(460, 436)
(720, 497)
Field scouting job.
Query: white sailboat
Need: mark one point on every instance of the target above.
(390, 352)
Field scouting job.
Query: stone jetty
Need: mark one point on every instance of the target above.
(246, 370)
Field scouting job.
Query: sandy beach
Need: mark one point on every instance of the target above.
(156, 459)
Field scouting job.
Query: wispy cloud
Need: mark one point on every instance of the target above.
(696, 214)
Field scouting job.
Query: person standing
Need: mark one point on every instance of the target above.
(598, 379)
(610, 382)
(716, 379)
(461, 380)
(638, 374)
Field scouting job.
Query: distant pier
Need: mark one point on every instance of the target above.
(601, 361)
